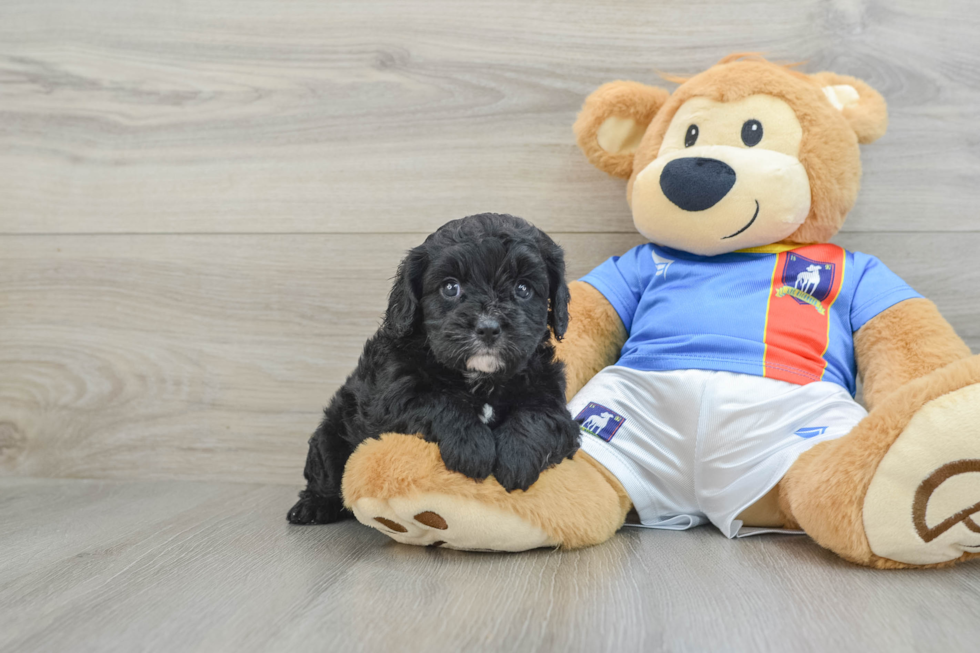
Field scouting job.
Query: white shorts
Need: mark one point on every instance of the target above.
(692, 446)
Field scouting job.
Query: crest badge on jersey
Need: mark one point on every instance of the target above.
(808, 281)
(805, 284)
(599, 421)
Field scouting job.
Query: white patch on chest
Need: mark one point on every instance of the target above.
(487, 414)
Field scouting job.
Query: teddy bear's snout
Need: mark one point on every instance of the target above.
(696, 183)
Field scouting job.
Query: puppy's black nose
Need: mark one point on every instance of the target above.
(487, 329)
(696, 184)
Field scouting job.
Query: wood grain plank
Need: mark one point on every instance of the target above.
(188, 356)
(166, 566)
(210, 357)
(382, 116)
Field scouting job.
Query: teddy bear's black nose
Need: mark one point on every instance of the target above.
(696, 184)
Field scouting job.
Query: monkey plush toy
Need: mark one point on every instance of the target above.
(712, 370)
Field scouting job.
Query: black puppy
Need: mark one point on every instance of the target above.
(464, 358)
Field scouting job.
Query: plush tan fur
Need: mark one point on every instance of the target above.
(578, 503)
(766, 512)
(829, 149)
(908, 341)
(594, 338)
(869, 117)
(621, 99)
(824, 490)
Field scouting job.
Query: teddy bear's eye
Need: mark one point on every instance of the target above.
(751, 132)
(691, 137)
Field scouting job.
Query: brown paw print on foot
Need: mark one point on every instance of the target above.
(923, 502)
(933, 486)
(445, 521)
(427, 518)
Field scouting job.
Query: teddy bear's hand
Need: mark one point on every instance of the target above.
(594, 338)
(399, 485)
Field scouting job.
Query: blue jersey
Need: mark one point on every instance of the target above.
(784, 314)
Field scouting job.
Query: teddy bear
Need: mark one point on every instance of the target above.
(712, 370)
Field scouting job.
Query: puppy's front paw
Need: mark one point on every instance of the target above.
(528, 444)
(516, 469)
(314, 509)
(472, 455)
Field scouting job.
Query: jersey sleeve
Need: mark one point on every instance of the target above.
(878, 288)
(620, 279)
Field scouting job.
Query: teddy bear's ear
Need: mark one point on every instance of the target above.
(862, 106)
(612, 123)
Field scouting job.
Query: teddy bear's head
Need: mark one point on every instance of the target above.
(745, 154)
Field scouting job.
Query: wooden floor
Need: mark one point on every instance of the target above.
(188, 566)
(201, 208)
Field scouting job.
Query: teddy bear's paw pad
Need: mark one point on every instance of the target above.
(452, 522)
(391, 525)
(923, 504)
(432, 520)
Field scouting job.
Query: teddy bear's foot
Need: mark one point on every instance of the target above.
(451, 522)
(903, 488)
(399, 485)
(923, 504)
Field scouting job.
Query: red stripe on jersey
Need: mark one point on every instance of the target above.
(805, 283)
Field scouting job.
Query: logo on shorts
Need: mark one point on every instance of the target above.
(599, 421)
(810, 431)
(807, 281)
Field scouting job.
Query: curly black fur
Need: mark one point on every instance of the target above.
(439, 361)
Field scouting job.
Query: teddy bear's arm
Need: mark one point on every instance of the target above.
(907, 341)
(594, 339)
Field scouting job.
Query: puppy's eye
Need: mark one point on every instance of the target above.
(522, 290)
(691, 137)
(450, 289)
(751, 132)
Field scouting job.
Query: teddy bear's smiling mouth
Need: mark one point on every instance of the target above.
(754, 216)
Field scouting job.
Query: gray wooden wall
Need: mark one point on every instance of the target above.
(201, 204)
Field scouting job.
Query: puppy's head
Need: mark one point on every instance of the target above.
(484, 290)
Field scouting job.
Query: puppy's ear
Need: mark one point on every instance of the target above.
(558, 297)
(406, 293)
